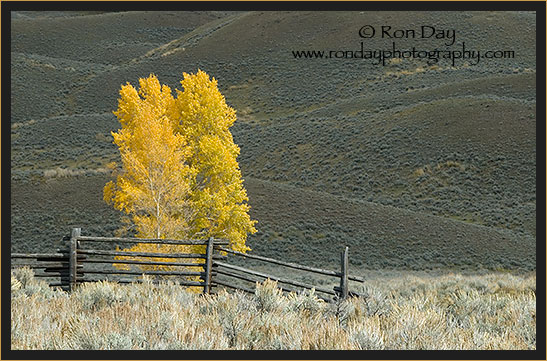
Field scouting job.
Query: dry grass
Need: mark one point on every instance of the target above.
(447, 312)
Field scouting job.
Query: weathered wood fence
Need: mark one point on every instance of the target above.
(286, 284)
(82, 262)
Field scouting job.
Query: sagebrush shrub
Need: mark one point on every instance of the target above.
(368, 335)
(24, 275)
(268, 296)
(23, 281)
(15, 284)
(305, 301)
(94, 295)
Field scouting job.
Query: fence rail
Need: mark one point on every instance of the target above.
(40, 255)
(150, 241)
(144, 254)
(272, 277)
(249, 275)
(116, 261)
(78, 264)
(292, 265)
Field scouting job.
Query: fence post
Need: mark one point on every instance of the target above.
(73, 257)
(344, 275)
(208, 266)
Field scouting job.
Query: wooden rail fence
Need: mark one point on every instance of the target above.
(286, 284)
(77, 264)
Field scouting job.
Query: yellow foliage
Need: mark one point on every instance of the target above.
(180, 177)
(153, 186)
(217, 194)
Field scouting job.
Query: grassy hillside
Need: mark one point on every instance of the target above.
(411, 165)
(295, 224)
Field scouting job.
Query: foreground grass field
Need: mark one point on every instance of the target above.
(496, 311)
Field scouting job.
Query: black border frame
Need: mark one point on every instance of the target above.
(7, 7)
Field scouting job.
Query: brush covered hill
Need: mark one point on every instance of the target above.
(412, 165)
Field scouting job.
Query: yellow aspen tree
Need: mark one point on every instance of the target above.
(153, 186)
(217, 192)
(179, 176)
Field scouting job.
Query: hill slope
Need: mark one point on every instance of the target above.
(449, 150)
(294, 224)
